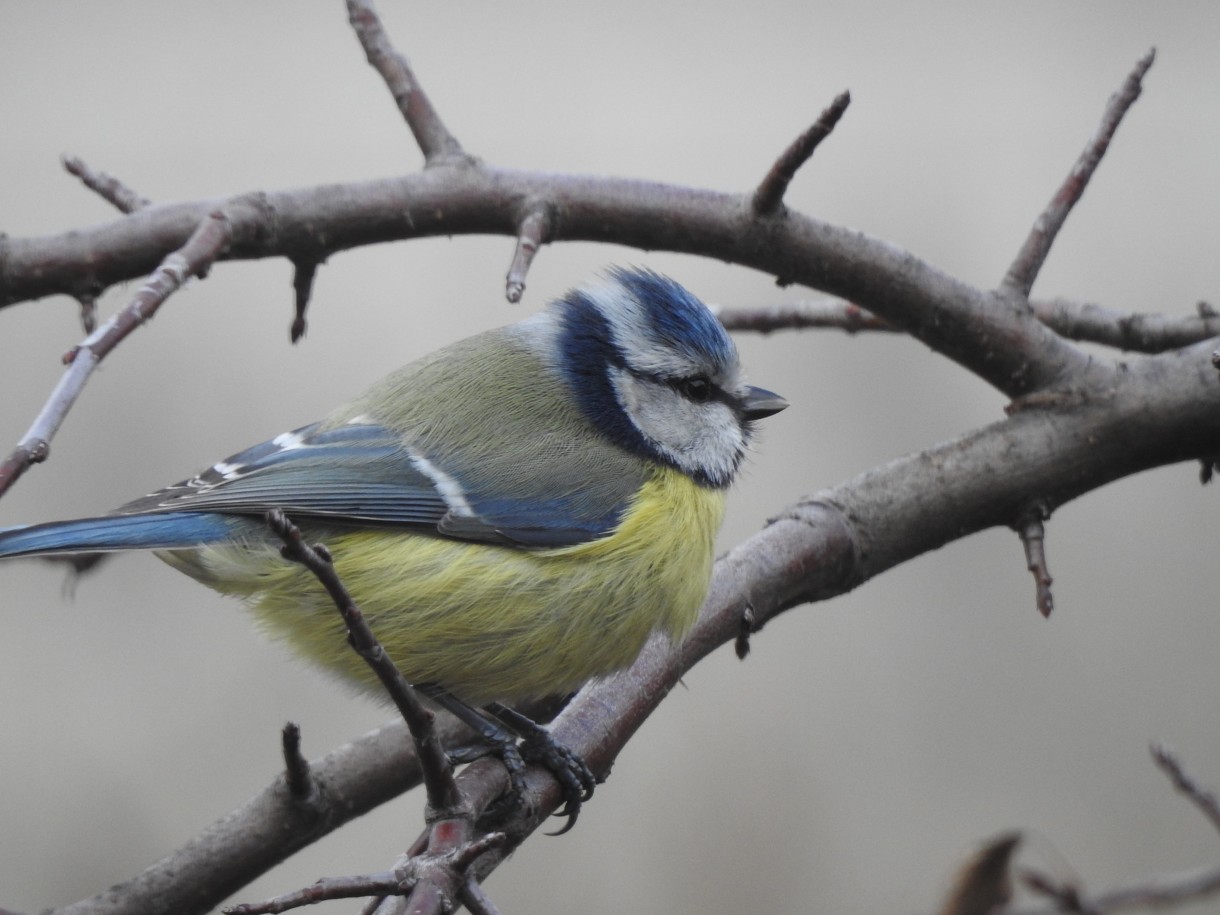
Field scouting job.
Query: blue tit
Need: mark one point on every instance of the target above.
(515, 513)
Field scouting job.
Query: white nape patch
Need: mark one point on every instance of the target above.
(700, 438)
(287, 441)
(540, 332)
(362, 420)
(449, 488)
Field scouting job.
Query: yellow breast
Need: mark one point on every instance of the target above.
(490, 622)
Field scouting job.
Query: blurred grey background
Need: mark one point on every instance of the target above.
(869, 743)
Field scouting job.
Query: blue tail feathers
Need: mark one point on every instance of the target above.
(168, 531)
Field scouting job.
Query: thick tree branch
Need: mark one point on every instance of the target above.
(997, 340)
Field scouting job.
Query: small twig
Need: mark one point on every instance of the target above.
(207, 243)
(386, 883)
(770, 192)
(1024, 270)
(434, 139)
(746, 629)
(436, 871)
(443, 794)
(531, 233)
(303, 273)
(1205, 800)
(1030, 529)
(476, 900)
(111, 189)
(296, 766)
(1131, 331)
(88, 312)
(1065, 896)
(836, 314)
(1142, 332)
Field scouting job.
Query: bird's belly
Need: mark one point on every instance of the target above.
(491, 622)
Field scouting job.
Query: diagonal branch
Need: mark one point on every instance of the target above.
(205, 245)
(109, 188)
(1024, 270)
(434, 139)
(770, 192)
(1167, 761)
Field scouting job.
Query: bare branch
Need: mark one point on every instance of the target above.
(443, 795)
(303, 272)
(1024, 270)
(835, 314)
(1030, 529)
(532, 233)
(770, 192)
(1133, 331)
(1153, 893)
(107, 186)
(201, 250)
(324, 890)
(1143, 332)
(434, 139)
(1205, 800)
(88, 312)
(1000, 342)
(476, 900)
(296, 767)
(1065, 895)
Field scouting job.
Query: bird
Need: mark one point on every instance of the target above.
(515, 514)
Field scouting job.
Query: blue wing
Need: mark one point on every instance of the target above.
(352, 473)
(355, 474)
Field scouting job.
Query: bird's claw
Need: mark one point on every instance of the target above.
(575, 778)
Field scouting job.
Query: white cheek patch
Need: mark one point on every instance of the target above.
(698, 438)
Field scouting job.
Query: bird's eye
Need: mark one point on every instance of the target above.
(698, 389)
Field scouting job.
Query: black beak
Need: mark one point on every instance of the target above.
(758, 403)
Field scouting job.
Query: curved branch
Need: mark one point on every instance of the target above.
(984, 332)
